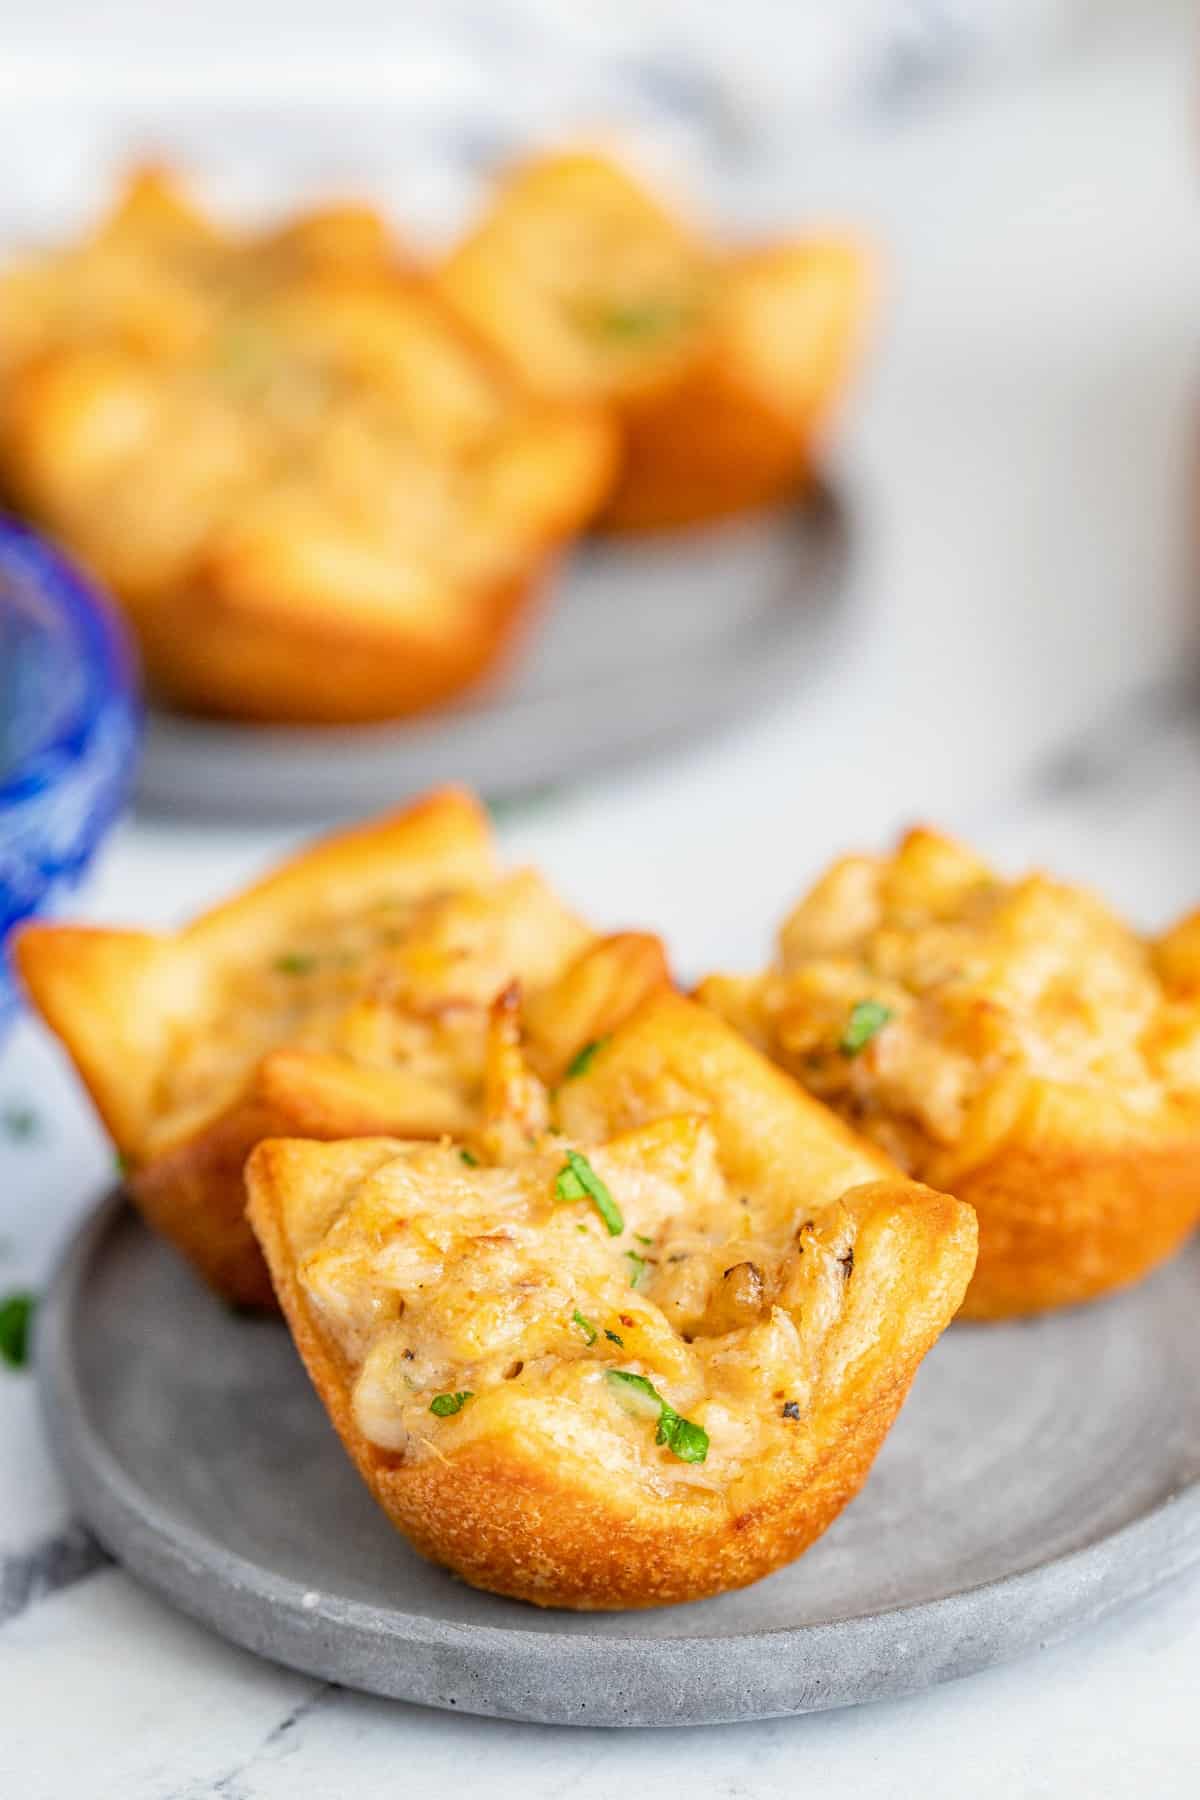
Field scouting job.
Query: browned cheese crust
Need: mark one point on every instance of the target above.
(345, 994)
(787, 1284)
(1037, 1058)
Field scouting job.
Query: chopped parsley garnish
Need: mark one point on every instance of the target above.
(585, 1325)
(614, 1339)
(446, 1405)
(242, 350)
(295, 962)
(19, 1123)
(637, 1268)
(866, 1018)
(642, 1238)
(583, 1059)
(16, 1315)
(577, 1180)
(469, 1157)
(682, 1437)
(634, 321)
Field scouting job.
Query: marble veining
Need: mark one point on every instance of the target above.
(54, 1563)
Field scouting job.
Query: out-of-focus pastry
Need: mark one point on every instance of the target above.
(721, 363)
(316, 497)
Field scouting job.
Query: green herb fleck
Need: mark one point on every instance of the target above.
(19, 1123)
(121, 1164)
(682, 1437)
(636, 1394)
(585, 1325)
(529, 800)
(241, 350)
(446, 1405)
(583, 1059)
(577, 1180)
(295, 962)
(637, 1268)
(642, 1239)
(614, 1339)
(867, 1018)
(469, 1157)
(636, 321)
(16, 1316)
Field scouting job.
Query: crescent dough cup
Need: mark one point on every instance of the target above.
(315, 496)
(720, 364)
(1013, 1042)
(149, 275)
(596, 1408)
(348, 993)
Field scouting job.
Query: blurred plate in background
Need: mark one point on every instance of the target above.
(646, 643)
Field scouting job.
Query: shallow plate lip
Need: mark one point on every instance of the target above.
(82, 1456)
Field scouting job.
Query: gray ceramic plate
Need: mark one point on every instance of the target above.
(643, 645)
(1039, 1475)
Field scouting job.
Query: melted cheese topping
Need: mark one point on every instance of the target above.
(438, 1278)
(981, 980)
(407, 985)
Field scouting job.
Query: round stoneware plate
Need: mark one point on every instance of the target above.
(643, 644)
(1040, 1474)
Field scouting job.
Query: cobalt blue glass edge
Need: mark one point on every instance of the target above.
(68, 784)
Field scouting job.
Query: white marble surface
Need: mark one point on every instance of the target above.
(1015, 663)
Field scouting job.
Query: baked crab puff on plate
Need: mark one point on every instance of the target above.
(347, 993)
(639, 1340)
(1013, 1041)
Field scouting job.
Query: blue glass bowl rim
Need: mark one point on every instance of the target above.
(106, 648)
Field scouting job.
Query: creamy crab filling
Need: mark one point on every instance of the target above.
(406, 983)
(908, 991)
(668, 1327)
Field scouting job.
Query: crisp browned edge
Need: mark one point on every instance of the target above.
(1068, 1214)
